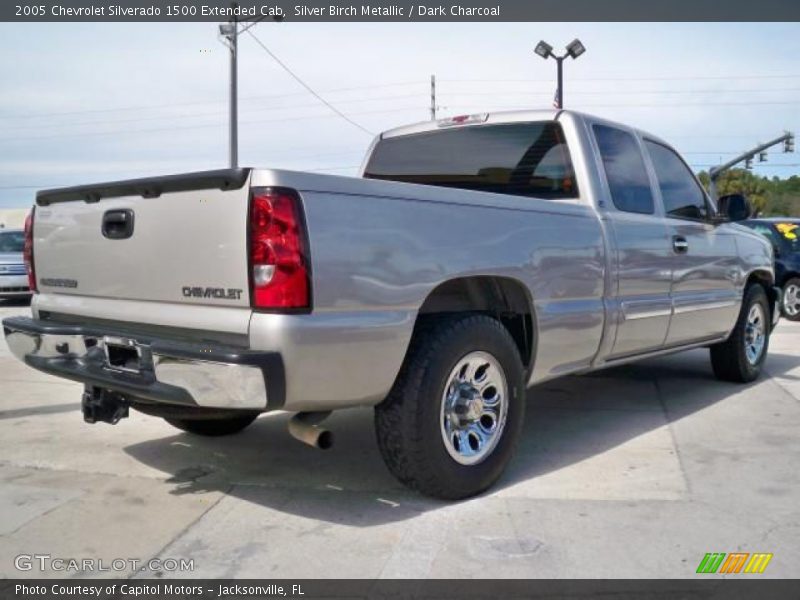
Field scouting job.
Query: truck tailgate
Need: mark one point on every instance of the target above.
(176, 239)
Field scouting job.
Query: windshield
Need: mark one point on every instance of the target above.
(790, 235)
(11, 241)
(523, 159)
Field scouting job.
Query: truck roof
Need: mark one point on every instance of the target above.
(506, 116)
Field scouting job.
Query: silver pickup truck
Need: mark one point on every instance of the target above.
(475, 257)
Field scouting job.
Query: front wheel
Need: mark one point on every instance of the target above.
(451, 423)
(742, 355)
(790, 305)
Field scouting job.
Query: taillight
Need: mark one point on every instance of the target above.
(27, 250)
(279, 270)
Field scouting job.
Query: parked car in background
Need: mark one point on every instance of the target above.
(13, 273)
(475, 257)
(785, 237)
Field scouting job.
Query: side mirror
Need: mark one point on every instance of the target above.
(735, 207)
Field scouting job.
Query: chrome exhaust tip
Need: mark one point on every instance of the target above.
(304, 427)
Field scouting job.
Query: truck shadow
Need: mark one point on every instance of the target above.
(568, 422)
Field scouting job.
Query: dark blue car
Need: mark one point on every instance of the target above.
(784, 233)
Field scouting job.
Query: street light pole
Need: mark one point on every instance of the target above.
(787, 139)
(574, 49)
(560, 90)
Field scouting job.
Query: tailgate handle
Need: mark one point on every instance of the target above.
(118, 224)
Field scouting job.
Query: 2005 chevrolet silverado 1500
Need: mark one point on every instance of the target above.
(475, 257)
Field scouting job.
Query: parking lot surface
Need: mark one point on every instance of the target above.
(632, 472)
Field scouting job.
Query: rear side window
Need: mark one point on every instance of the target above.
(523, 159)
(625, 171)
(682, 195)
(12, 241)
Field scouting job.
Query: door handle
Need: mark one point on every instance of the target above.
(679, 244)
(118, 224)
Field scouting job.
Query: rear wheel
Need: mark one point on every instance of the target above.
(451, 423)
(213, 427)
(790, 305)
(741, 356)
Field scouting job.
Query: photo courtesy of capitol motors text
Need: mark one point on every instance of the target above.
(160, 589)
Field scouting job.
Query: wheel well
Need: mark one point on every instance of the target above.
(763, 278)
(503, 298)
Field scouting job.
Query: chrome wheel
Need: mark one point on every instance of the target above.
(791, 300)
(754, 334)
(474, 408)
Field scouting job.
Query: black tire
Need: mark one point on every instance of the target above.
(213, 427)
(728, 359)
(790, 284)
(408, 422)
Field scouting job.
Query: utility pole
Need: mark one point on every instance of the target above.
(234, 116)
(787, 139)
(230, 31)
(433, 97)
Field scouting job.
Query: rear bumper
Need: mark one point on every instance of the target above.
(188, 374)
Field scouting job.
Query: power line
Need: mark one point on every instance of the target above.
(769, 166)
(216, 113)
(636, 105)
(203, 126)
(306, 86)
(682, 78)
(625, 92)
(201, 102)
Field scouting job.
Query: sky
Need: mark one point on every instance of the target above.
(89, 102)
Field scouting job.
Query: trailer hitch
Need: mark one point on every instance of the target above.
(103, 405)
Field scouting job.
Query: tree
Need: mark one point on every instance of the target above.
(769, 197)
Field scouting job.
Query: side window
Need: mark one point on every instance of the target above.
(625, 170)
(683, 197)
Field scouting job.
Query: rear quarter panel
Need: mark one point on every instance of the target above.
(378, 249)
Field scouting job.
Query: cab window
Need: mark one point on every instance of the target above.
(626, 174)
(682, 196)
(520, 159)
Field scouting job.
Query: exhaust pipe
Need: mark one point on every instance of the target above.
(303, 427)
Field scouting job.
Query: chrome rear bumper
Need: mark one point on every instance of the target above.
(200, 374)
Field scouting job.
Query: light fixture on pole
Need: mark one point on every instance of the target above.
(573, 50)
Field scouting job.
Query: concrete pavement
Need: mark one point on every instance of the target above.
(633, 472)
